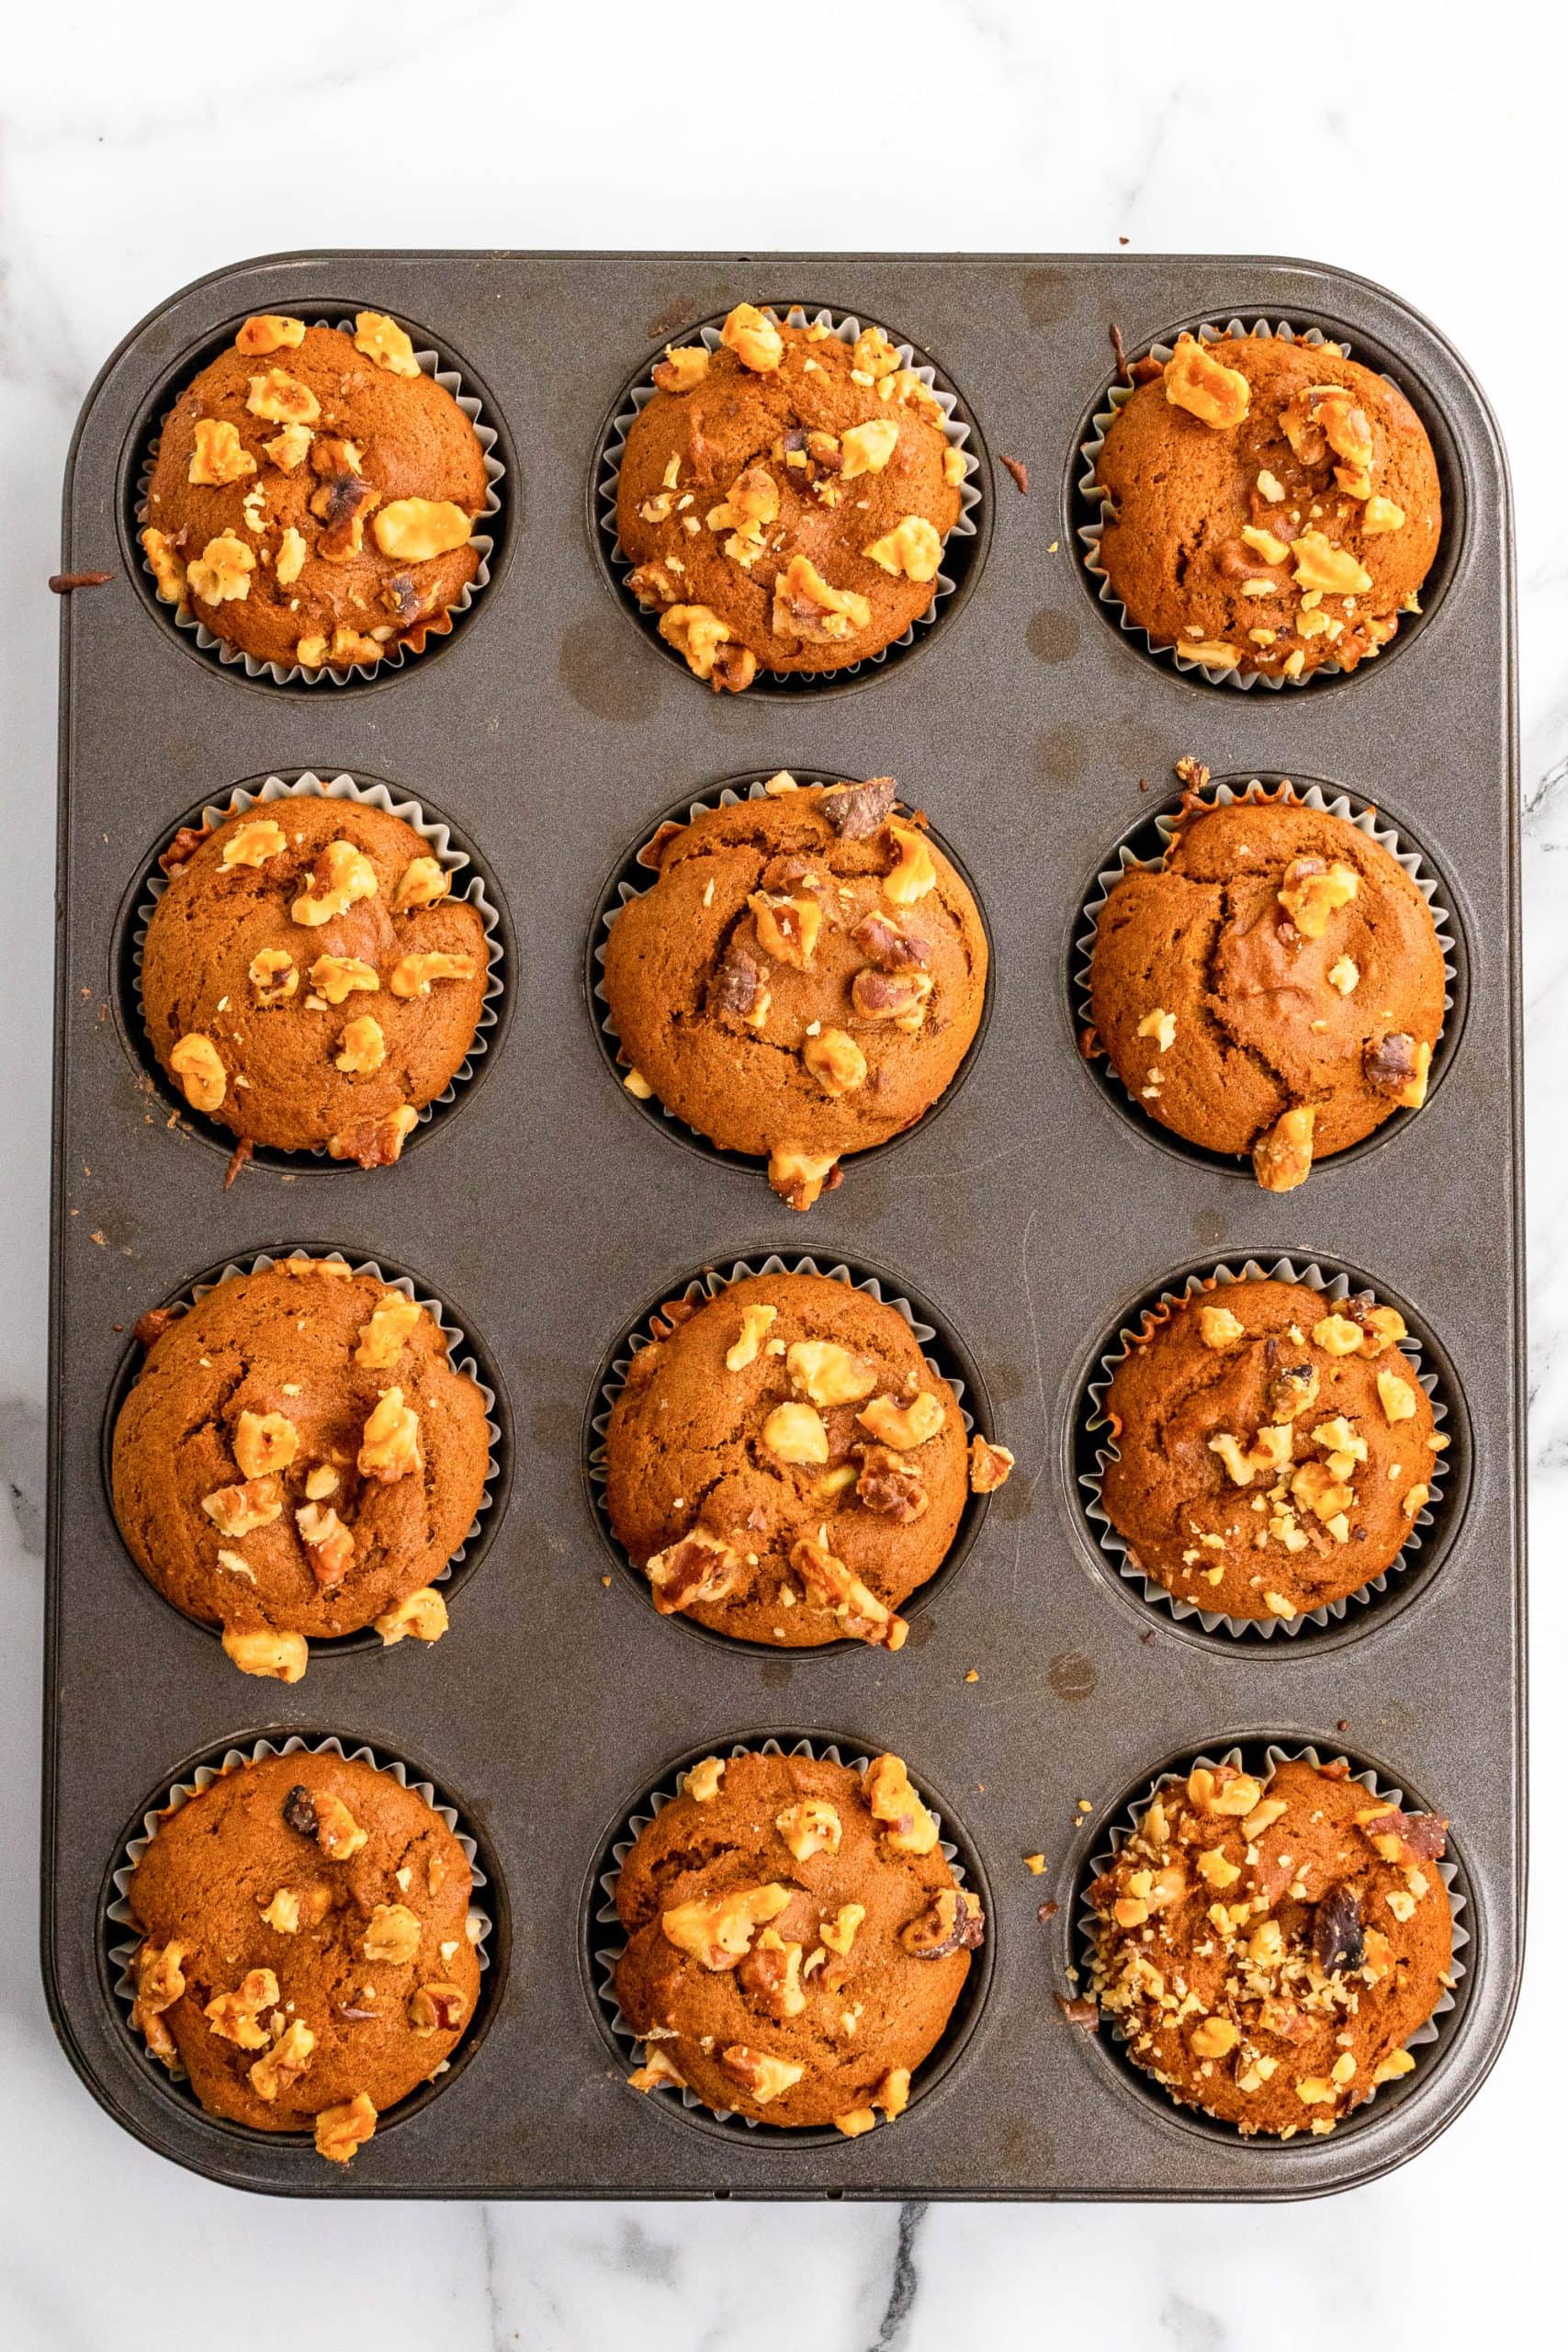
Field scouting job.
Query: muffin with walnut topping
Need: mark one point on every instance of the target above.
(1269, 505)
(784, 1464)
(299, 1456)
(307, 979)
(797, 1940)
(1274, 987)
(315, 495)
(784, 499)
(307, 1953)
(802, 981)
(1267, 1946)
(1273, 1449)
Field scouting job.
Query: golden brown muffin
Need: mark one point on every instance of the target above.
(795, 1939)
(784, 499)
(1272, 506)
(307, 978)
(1272, 1448)
(305, 1950)
(784, 1466)
(1268, 1946)
(315, 495)
(1274, 987)
(299, 1456)
(803, 979)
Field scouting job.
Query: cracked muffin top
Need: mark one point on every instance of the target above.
(306, 1954)
(784, 1466)
(1273, 1448)
(795, 1939)
(1268, 1946)
(1272, 506)
(299, 1456)
(307, 978)
(315, 495)
(803, 979)
(1274, 987)
(784, 499)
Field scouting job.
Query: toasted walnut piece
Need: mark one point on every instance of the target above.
(1380, 1328)
(1213, 2038)
(415, 530)
(835, 1061)
(1218, 1328)
(159, 1981)
(265, 1442)
(889, 1485)
(342, 501)
(1161, 1027)
(1216, 1870)
(337, 1833)
(718, 1932)
(236, 1511)
(867, 447)
(1269, 1451)
(1312, 891)
(700, 1567)
(702, 1783)
(436, 2009)
(899, 998)
(392, 1934)
(389, 1446)
(903, 1427)
(328, 1541)
(277, 1657)
(375, 1143)
(1333, 571)
(990, 1467)
(281, 398)
(413, 976)
(1381, 515)
(382, 340)
(855, 2123)
(342, 2130)
(288, 449)
(914, 873)
(811, 1825)
(863, 1617)
(254, 844)
(787, 929)
(893, 1802)
(800, 1177)
(364, 1047)
(282, 1914)
(828, 1374)
(1281, 1158)
(756, 1322)
(913, 547)
(235, 2015)
(683, 367)
(809, 608)
(219, 455)
(764, 2078)
(1415, 1500)
(1336, 1335)
(1397, 1397)
(221, 574)
(267, 331)
(337, 977)
(855, 810)
(422, 881)
(753, 337)
(1263, 543)
(382, 1339)
(890, 947)
(1226, 1791)
(952, 1921)
(342, 875)
(421, 1615)
(697, 635)
(1214, 394)
(753, 501)
(284, 2062)
(194, 1062)
(168, 572)
(1344, 975)
(1396, 1065)
(658, 2070)
(795, 1432)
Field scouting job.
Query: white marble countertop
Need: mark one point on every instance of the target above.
(139, 150)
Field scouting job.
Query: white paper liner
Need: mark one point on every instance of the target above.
(708, 1284)
(1094, 494)
(1365, 816)
(289, 674)
(122, 1955)
(437, 837)
(845, 329)
(456, 1339)
(1119, 1828)
(608, 1948)
(1335, 1287)
(729, 797)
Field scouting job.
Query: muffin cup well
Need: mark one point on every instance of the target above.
(606, 1940)
(962, 550)
(498, 1476)
(634, 877)
(121, 1950)
(1437, 2028)
(432, 830)
(1436, 1519)
(431, 363)
(1147, 844)
(1090, 498)
(944, 1353)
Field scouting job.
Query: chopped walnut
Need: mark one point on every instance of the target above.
(388, 1445)
(219, 455)
(168, 572)
(221, 574)
(763, 2078)
(375, 1143)
(801, 1177)
(754, 338)
(795, 1432)
(890, 947)
(702, 1783)
(290, 448)
(1269, 1451)
(808, 609)
(770, 1976)
(236, 2017)
(1381, 516)
(863, 1616)
(282, 1914)
(1161, 1027)
(329, 1543)
(867, 447)
(705, 644)
(342, 501)
(903, 1427)
(382, 340)
(364, 1047)
(335, 1830)
(682, 368)
(1396, 1065)
(237, 1510)
(1312, 891)
(337, 977)
(991, 1465)
(787, 929)
(421, 1615)
(1281, 1158)
(265, 1442)
(340, 2130)
(281, 398)
(416, 530)
(835, 1061)
(1214, 394)
(891, 1486)
(413, 976)
(828, 1374)
(893, 1802)
(342, 875)
(811, 1825)
(1218, 1328)
(716, 1931)
(436, 2009)
(392, 1934)
(698, 1569)
(899, 998)
(269, 331)
(1396, 1396)
(285, 2064)
(382, 1339)
(914, 872)
(1334, 572)
(277, 1658)
(194, 1060)
(423, 882)
(913, 547)
(756, 1322)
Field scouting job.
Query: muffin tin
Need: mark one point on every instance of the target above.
(1031, 1218)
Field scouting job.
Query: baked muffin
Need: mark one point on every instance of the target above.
(795, 1939)
(784, 1464)
(1272, 1448)
(784, 499)
(298, 1457)
(803, 979)
(1274, 987)
(315, 495)
(1268, 1946)
(307, 978)
(1272, 506)
(305, 1950)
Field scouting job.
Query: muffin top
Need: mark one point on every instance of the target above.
(314, 494)
(1307, 1927)
(785, 499)
(783, 1464)
(795, 1939)
(1273, 506)
(804, 978)
(1275, 986)
(305, 1950)
(307, 977)
(299, 1456)
(1274, 1447)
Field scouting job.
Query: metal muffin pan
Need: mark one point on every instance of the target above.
(549, 729)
